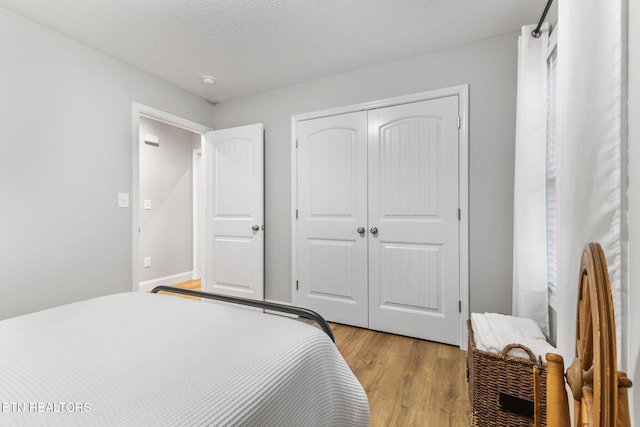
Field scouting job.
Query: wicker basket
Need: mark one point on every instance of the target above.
(501, 387)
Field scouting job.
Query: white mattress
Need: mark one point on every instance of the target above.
(140, 359)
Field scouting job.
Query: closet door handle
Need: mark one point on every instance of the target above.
(361, 230)
(374, 230)
(256, 228)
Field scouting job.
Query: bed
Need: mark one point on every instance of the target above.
(147, 359)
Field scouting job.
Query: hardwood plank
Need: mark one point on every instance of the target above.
(194, 285)
(409, 382)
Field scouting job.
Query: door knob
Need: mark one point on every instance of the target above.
(255, 228)
(361, 230)
(374, 230)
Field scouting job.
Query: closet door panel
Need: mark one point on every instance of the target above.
(332, 204)
(413, 204)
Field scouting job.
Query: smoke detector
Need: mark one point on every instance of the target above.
(208, 80)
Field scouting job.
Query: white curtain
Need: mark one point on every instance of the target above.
(530, 297)
(589, 193)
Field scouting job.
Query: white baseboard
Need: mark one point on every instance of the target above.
(164, 281)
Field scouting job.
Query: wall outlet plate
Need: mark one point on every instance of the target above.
(123, 200)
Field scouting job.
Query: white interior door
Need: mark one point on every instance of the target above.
(413, 203)
(332, 206)
(235, 212)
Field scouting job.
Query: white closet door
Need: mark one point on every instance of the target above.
(413, 203)
(332, 206)
(234, 212)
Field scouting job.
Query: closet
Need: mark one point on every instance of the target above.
(377, 227)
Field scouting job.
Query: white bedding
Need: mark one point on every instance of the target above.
(140, 359)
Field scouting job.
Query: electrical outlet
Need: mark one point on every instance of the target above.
(147, 262)
(123, 200)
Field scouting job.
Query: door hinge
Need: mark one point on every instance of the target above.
(459, 122)
(297, 285)
(459, 214)
(296, 142)
(296, 213)
(459, 306)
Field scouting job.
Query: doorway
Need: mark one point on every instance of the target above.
(226, 211)
(167, 199)
(168, 225)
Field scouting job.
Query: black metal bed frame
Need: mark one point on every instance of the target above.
(290, 309)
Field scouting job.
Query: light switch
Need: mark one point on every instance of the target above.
(147, 262)
(147, 204)
(123, 200)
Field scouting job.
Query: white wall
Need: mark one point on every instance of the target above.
(633, 319)
(166, 179)
(489, 66)
(65, 153)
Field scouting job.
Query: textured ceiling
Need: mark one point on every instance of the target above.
(257, 45)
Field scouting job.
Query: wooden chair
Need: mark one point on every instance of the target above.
(599, 390)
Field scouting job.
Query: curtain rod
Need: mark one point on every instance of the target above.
(536, 33)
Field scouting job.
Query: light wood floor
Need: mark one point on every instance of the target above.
(189, 284)
(194, 285)
(409, 382)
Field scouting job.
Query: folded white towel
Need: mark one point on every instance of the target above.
(516, 326)
(493, 331)
(485, 338)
